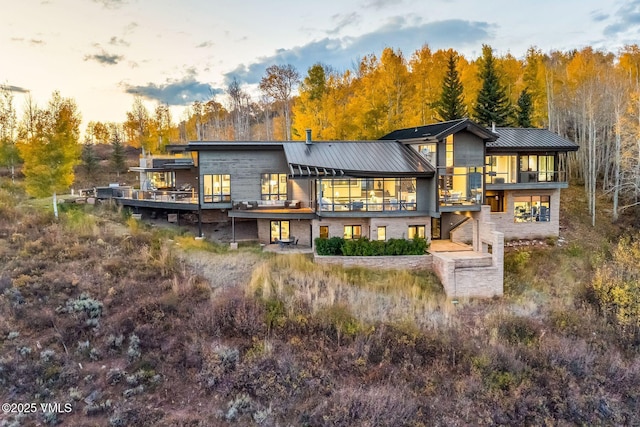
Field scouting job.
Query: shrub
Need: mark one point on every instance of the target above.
(331, 246)
(366, 247)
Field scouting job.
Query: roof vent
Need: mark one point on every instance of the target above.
(493, 127)
(308, 140)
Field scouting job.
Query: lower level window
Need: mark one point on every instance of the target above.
(280, 230)
(531, 209)
(216, 188)
(324, 232)
(415, 231)
(352, 232)
(382, 233)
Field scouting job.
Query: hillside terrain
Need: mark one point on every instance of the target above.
(127, 324)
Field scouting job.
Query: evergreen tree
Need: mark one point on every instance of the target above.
(117, 155)
(524, 110)
(451, 106)
(492, 104)
(89, 160)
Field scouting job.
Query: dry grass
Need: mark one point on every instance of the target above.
(138, 326)
(375, 295)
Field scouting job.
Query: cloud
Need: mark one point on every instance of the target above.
(104, 58)
(111, 4)
(175, 92)
(206, 44)
(16, 89)
(624, 19)
(115, 41)
(343, 21)
(341, 52)
(381, 4)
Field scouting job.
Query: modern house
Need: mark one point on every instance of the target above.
(454, 180)
(423, 181)
(517, 171)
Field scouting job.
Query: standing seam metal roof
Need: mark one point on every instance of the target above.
(355, 157)
(530, 138)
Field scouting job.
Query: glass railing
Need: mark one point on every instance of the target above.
(389, 204)
(190, 196)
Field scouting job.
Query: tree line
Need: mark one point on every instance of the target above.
(591, 97)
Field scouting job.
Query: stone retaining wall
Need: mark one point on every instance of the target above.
(395, 262)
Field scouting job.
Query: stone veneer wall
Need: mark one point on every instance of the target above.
(298, 228)
(518, 230)
(470, 276)
(396, 262)
(396, 228)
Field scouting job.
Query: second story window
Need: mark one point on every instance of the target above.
(273, 186)
(216, 188)
(428, 151)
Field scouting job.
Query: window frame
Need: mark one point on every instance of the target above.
(277, 191)
(223, 194)
(351, 235)
(415, 230)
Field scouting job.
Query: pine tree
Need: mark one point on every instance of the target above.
(492, 104)
(89, 160)
(524, 110)
(451, 106)
(117, 155)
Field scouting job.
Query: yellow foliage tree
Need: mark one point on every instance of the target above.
(49, 146)
(617, 285)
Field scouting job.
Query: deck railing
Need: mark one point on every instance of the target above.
(190, 196)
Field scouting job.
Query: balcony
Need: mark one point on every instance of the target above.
(190, 196)
(244, 205)
(372, 204)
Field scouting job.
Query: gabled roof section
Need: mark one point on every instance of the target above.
(355, 158)
(520, 139)
(439, 131)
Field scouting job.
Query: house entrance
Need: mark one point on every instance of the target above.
(279, 230)
(435, 229)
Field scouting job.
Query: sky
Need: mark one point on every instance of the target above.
(102, 53)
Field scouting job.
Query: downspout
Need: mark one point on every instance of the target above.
(200, 191)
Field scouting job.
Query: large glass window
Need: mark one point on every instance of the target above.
(502, 169)
(449, 151)
(535, 168)
(428, 151)
(415, 231)
(279, 231)
(367, 194)
(273, 186)
(352, 232)
(531, 209)
(216, 188)
(461, 185)
(159, 180)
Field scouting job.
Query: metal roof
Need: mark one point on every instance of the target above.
(530, 139)
(356, 158)
(439, 131)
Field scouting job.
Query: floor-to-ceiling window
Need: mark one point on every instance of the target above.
(367, 194)
(279, 230)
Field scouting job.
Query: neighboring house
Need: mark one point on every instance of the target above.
(517, 171)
